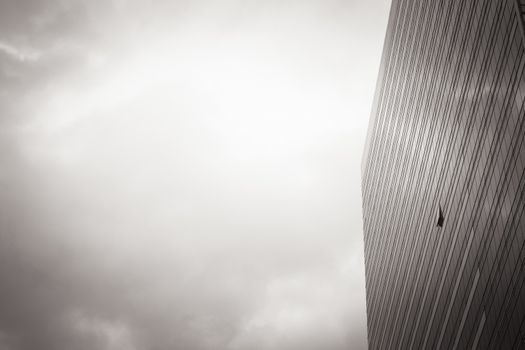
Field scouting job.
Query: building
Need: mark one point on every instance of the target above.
(443, 179)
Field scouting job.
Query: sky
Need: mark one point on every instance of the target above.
(184, 174)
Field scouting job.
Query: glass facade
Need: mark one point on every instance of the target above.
(443, 179)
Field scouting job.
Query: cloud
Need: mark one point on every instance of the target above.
(5, 341)
(289, 317)
(106, 335)
(182, 175)
(26, 55)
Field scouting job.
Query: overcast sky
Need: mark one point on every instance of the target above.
(184, 174)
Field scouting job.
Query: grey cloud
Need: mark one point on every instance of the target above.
(165, 221)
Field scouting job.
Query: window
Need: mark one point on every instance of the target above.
(441, 218)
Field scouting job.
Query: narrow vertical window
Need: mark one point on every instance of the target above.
(441, 218)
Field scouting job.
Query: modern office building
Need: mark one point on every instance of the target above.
(443, 179)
